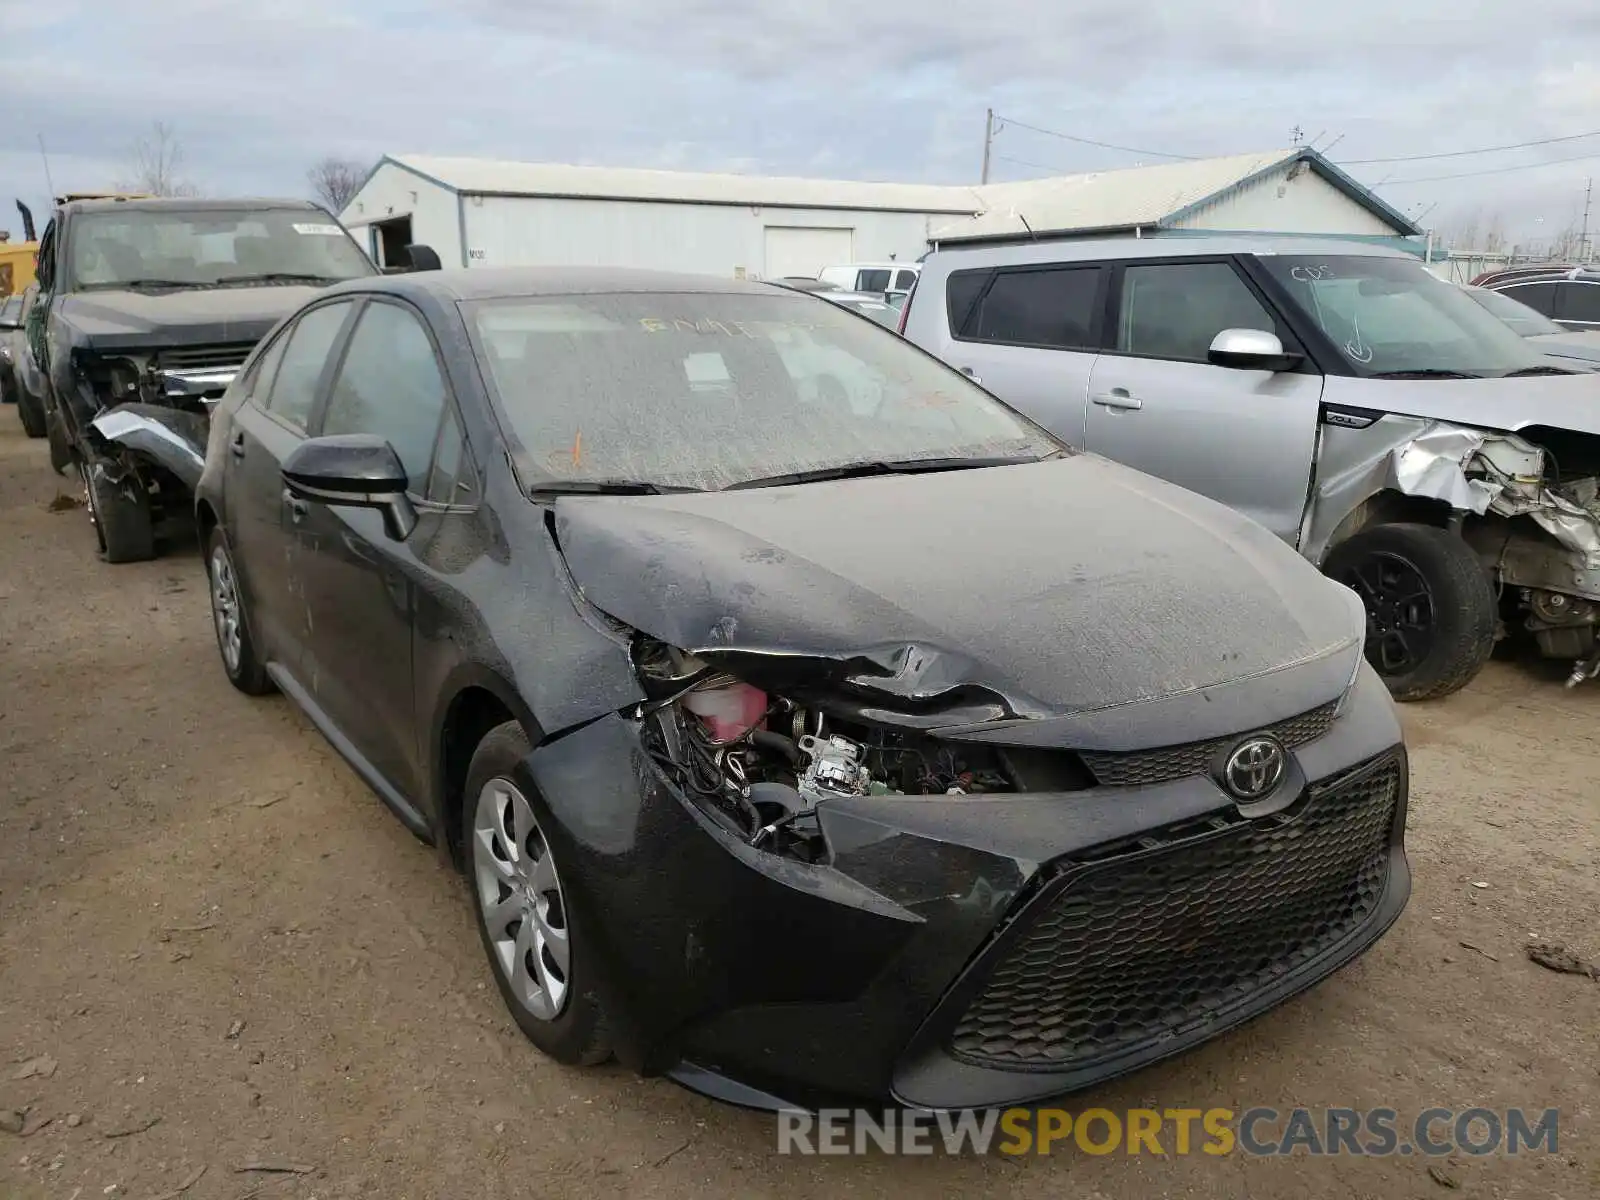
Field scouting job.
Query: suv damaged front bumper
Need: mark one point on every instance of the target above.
(170, 437)
(953, 951)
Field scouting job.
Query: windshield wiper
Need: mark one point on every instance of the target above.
(1426, 373)
(278, 277)
(1526, 371)
(606, 487)
(901, 466)
(148, 283)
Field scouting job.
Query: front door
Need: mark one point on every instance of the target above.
(264, 431)
(1245, 438)
(361, 582)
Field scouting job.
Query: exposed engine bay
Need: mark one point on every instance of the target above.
(761, 764)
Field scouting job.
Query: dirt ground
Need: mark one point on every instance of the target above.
(233, 955)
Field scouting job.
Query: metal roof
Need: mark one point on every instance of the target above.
(1097, 202)
(488, 177)
(1140, 197)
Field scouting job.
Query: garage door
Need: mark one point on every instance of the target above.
(792, 250)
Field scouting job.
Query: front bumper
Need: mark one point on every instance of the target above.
(972, 951)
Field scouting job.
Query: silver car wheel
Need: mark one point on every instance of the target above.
(225, 609)
(519, 897)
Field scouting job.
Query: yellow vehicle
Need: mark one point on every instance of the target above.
(16, 266)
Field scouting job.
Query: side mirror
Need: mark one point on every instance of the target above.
(423, 258)
(1251, 350)
(359, 470)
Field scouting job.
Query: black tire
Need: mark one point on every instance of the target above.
(120, 514)
(243, 667)
(1431, 607)
(577, 1034)
(31, 409)
(61, 455)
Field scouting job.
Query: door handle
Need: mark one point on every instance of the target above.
(297, 507)
(1118, 398)
(236, 445)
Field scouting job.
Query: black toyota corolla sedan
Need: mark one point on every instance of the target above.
(807, 724)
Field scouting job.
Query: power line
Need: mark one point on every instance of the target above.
(1003, 121)
(1553, 162)
(1571, 137)
(1023, 162)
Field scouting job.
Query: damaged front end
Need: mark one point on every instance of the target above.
(1527, 503)
(155, 405)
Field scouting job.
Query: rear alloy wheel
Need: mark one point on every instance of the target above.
(1431, 609)
(239, 661)
(523, 917)
(120, 514)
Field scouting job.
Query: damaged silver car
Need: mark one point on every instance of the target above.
(1368, 413)
(146, 310)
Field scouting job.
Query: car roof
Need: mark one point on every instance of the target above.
(496, 283)
(185, 204)
(1092, 249)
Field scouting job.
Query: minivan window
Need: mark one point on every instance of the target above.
(1514, 313)
(1541, 297)
(872, 281)
(1579, 302)
(1176, 310)
(1053, 307)
(905, 280)
(1389, 316)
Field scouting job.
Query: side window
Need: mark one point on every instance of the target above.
(872, 281)
(390, 384)
(1053, 307)
(904, 280)
(46, 266)
(1541, 297)
(1175, 310)
(259, 382)
(306, 350)
(450, 479)
(961, 292)
(1579, 302)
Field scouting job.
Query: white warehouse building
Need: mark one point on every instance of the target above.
(478, 212)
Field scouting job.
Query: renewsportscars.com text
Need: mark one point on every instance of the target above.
(1166, 1132)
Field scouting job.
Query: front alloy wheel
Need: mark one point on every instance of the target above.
(239, 661)
(519, 898)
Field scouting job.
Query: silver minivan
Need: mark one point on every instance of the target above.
(1368, 413)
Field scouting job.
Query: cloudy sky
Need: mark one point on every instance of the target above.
(892, 89)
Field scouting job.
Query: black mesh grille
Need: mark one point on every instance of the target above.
(201, 358)
(1143, 767)
(1146, 944)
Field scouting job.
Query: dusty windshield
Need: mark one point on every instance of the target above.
(1388, 316)
(134, 246)
(708, 390)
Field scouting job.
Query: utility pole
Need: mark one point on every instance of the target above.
(988, 139)
(1588, 197)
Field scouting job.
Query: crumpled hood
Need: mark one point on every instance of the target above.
(1069, 585)
(127, 320)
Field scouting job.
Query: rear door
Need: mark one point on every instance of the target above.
(1029, 334)
(1245, 438)
(360, 582)
(265, 430)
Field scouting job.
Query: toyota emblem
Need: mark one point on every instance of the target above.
(1254, 768)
